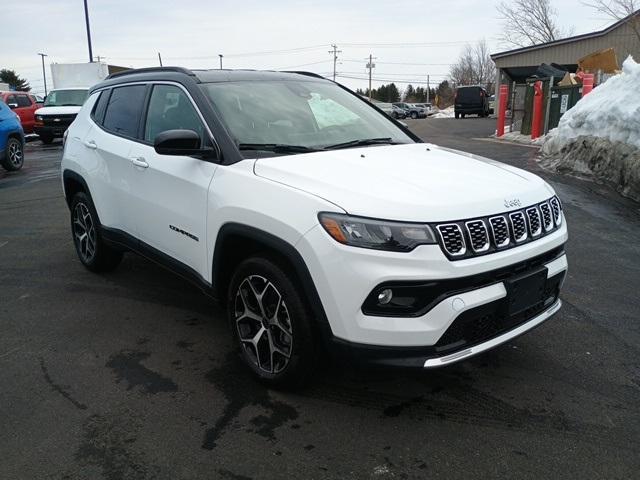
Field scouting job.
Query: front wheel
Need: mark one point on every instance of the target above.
(46, 139)
(271, 323)
(414, 115)
(94, 254)
(13, 155)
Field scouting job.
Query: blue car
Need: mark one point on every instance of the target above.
(11, 139)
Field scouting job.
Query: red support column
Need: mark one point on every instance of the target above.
(587, 83)
(502, 109)
(536, 118)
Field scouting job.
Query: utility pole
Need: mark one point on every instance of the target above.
(428, 89)
(44, 75)
(220, 55)
(160, 58)
(335, 52)
(370, 66)
(86, 19)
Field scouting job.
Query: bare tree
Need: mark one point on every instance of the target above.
(619, 10)
(474, 66)
(529, 22)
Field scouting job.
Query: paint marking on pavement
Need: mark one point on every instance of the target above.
(495, 140)
(3, 244)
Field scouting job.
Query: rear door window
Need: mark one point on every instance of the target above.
(124, 109)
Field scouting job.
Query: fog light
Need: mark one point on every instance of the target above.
(385, 296)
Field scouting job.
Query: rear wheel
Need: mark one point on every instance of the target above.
(94, 254)
(414, 115)
(271, 323)
(13, 155)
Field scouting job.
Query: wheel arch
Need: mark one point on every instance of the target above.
(236, 242)
(73, 183)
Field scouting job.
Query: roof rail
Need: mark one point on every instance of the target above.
(308, 74)
(133, 71)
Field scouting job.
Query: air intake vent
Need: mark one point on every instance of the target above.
(452, 239)
(478, 235)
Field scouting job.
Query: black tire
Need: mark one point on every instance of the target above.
(46, 139)
(457, 115)
(261, 281)
(13, 155)
(414, 115)
(462, 115)
(92, 251)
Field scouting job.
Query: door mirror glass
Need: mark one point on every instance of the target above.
(178, 142)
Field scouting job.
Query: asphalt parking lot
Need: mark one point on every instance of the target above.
(132, 375)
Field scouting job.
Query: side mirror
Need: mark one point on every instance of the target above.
(179, 142)
(12, 105)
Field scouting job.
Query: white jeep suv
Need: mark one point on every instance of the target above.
(322, 223)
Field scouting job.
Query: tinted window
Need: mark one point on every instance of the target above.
(98, 108)
(23, 101)
(124, 109)
(169, 109)
(11, 99)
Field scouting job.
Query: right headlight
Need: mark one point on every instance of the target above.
(376, 234)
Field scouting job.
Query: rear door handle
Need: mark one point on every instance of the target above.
(139, 162)
(91, 144)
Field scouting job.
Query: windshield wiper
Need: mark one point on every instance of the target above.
(361, 143)
(276, 147)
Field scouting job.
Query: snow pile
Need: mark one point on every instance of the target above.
(517, 137)
(611, 111)
(444, 113)
(600, 136)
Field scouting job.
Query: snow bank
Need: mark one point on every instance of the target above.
(611, 111)
(600, 136)
(444, 113)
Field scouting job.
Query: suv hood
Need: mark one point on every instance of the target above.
(416, 182)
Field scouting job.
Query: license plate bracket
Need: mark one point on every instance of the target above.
(525, 291)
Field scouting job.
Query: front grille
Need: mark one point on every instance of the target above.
(535, 225)
(58, 120)
(518, 226)
(479, 236)
(452, 239)
(500, 231)
(547, 219)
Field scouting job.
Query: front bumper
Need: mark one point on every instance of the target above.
(345, 276)
(50, 131)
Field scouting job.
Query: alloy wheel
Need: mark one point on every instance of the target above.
(263, 324)
(84, 232)
(15, 154)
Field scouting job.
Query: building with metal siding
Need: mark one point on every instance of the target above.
(516, 65)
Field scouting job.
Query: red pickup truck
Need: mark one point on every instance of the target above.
(24, 104)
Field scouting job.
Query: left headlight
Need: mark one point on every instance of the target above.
(376, 234)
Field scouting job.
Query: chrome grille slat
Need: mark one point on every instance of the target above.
(500, 231)
(518, 226)
(452, 239)
(555, 208)
(547, 219)
(478, 235)
(535, 225)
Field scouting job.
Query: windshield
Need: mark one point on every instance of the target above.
(60, 98)
(308, 114)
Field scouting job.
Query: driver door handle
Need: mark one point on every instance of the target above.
(139, 162)
(91, 144)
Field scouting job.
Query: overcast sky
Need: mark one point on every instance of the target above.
(410, 38)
